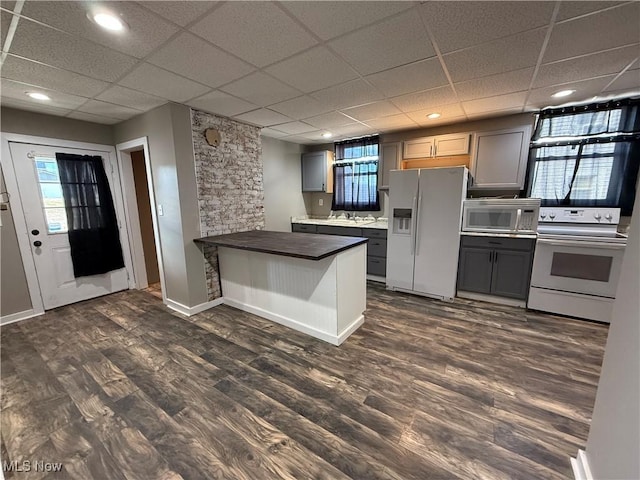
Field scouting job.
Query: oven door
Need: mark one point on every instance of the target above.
(586, 267)
(489, 218)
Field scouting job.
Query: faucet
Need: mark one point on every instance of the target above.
(349, 215)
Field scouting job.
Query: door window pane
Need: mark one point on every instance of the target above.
(51, 195)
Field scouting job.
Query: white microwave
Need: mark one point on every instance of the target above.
(500, 215)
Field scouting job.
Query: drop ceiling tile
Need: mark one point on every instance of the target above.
(58, 49)
(89, 117)
(192, 57)
(143, 34)
(96, 107)
(263, 117)
(372, 110)
(581, 68)
(260, 89)
(629, 80)
(17, 90)
(457, 25)
(392, 122)
(179, 12)
(270, 132)
(330, 19)
(329, 120)
(515, 81)
(585, 90)
(428, 123)
(31, 106)
(222, 104)
(312, 70)
(503, 102)
(499, 56)
(8, 4)
(576, 9)
(350, 94)
(5, 18)
(353, 130)
(393, 42)
(495, 113)
(294, 128)
(414, 77)
(425, 100)
(299, 139)
(130, 98)
(23, 70)
(316, 136)
(258, 32)
(447, 114)
(615, 27)
(300, 107)
(156, 81)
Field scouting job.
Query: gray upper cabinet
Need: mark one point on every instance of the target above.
(390, 157)
(499, 158)
(438, 146)
(317, 172)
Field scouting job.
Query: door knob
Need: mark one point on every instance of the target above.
(35, 232)
(37, 243)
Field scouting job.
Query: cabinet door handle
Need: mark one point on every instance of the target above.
(491, 256)
(435, 150)
(495, 257)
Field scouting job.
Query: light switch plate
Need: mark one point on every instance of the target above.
(321, 201)
(160, 210)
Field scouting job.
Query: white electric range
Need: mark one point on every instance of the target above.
(577, 262)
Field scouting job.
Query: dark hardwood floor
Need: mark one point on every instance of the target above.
(120, 388)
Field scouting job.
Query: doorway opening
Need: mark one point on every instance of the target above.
(141, 215)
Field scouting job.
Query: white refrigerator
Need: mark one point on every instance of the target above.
(423, 242)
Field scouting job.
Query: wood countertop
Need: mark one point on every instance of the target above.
(309, 246)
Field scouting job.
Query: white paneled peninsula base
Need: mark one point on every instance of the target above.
(315, 284)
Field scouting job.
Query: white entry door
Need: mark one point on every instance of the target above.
(38, 181)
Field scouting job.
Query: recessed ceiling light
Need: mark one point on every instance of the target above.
(433, 115)
(38, 96)
(563, 93)
(109, 22)
(327, 135)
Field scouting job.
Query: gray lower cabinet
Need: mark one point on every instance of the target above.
(376, 247)
(496, 266)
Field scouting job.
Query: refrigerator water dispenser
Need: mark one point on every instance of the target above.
(402, 221)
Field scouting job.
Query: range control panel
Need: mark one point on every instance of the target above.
(593, 215)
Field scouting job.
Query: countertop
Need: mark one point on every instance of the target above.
(502, 235)
(309, 246)
(340, 222)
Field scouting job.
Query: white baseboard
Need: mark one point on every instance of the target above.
(580, 466)
(188, 311)
(294, 324)
(18, 316)
(376, 278)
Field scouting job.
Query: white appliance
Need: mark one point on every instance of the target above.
(577, 262)
(423, 241)
(501, 215)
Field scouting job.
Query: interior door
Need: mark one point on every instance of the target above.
(41, 195)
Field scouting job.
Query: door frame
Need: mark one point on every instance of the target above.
(22, 232)
(131, 211)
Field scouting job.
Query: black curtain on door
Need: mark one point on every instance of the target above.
(93, 228)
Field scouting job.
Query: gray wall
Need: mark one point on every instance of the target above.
(14, 291)
(282, 183)
(168, 129)
(614, 437)
(41, 125)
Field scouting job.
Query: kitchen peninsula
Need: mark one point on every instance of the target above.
(313, 283)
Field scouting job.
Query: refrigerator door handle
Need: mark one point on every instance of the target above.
(415, 236)
(414, 216)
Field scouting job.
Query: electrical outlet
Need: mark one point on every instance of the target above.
(321, 201)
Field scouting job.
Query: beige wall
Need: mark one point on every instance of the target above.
(614, 437)
(282, 183)
(14, 295)
(168, 129)
(41, 125)
(14, 292)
